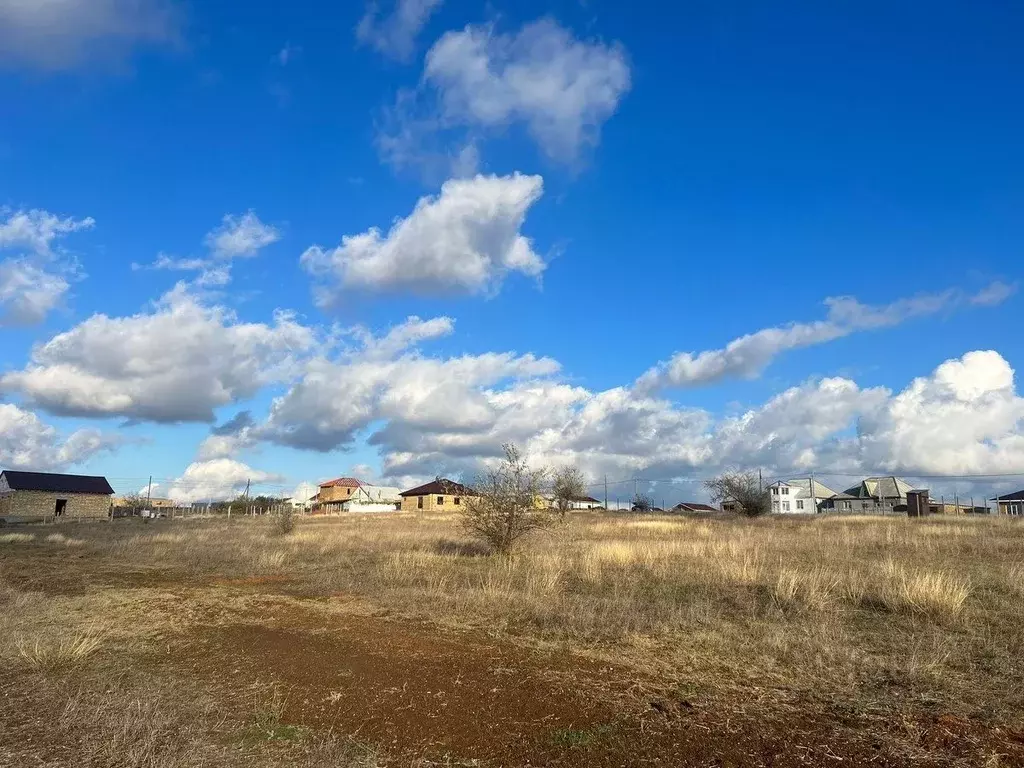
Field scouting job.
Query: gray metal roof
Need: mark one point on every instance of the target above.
(807, 484)
(889, 487)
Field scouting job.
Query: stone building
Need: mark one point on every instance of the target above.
(436, 496)
(35, 496)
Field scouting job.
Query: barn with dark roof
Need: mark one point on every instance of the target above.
(34, 496)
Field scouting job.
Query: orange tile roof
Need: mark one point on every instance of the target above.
(341, 482)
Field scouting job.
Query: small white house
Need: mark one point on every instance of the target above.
(577, 502)
(802, 496)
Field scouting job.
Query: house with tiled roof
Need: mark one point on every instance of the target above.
(334, 493)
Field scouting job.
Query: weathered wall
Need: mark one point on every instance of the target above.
(330, 493)
(40, 504)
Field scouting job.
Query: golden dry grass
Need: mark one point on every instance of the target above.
(873, 613)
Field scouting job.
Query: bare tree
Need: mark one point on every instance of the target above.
(642, 503)
(505, 507)
(568, 486)
(742, 489)
(134, 503)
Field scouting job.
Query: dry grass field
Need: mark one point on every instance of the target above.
(611, 640)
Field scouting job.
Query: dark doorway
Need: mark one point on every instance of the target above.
(60, 507)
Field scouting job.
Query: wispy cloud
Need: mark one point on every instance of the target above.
(237, 237)
(747, 356)
(394, 34)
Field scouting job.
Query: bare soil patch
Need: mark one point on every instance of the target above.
(612, 642)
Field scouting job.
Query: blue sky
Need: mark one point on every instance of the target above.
(708, 171)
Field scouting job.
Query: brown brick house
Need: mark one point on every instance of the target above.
(34, 496)
(334, 493)
(438, 495)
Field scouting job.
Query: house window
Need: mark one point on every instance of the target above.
(440, 501)
(1015, 509)
(775, 506)
(785, 506)
(419, 502)
(847, 506)
(457, 501)
(799, 504)
(785, 491)
(775, 491)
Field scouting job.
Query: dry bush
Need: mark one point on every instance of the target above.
(285, 521)
(743, 488)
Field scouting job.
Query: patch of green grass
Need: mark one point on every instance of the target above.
(266, 725)
(570, 738)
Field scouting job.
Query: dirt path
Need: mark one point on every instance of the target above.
(423, 697)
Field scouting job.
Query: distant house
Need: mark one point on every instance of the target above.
(584, 502)
(154, 502)
(333, 494)
(801, 496)
(577, 502)
(692, 506)
(1011, 504)
(872, 495)
(26, 496)
(438, 495)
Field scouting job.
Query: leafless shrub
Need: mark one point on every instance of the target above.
(567, 486)
(642, 503)
(507, 506)
(742, 489)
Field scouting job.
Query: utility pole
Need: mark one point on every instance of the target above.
(149, 491)
(760, 488)
(606, 491)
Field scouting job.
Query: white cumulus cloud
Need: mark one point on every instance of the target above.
(27, 292)
(465, 240)
(34, 280)
(216, 480)
(480, 82)
(26, 442)
(177, 362)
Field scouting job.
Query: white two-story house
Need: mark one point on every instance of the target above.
(802, 496)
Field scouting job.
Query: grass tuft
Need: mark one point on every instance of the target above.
(64, 653)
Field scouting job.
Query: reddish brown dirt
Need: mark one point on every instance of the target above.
(422, 697)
